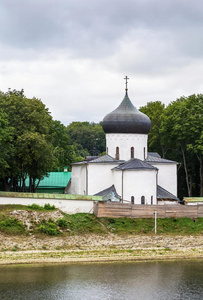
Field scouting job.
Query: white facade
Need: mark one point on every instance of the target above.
(139, 184)
(100, 177)
(90, 178)
(78, 179)
(123, 145)
(167, 176)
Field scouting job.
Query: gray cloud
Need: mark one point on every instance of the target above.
(74, 54)
(93, 28)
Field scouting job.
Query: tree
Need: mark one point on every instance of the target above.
(63, 150)
(155, 110)
(182, 127)
(87, 138)
(6, 138)
(31, 139)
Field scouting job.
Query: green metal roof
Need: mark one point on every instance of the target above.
(54, 179)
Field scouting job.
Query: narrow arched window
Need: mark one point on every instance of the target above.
(144, 153)
(132, 200)
(143, 200)
(117, 152)
(151, 200)
(107, 150)
(132, 152)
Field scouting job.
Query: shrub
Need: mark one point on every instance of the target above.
(11, 225)
(49, 207)
(48, 227)
(63, 223)
(35, 206)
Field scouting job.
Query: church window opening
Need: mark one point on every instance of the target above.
(132, 152)
(144, 153)
(117, 152)
(107, 150)
(143, 200)
(151, 200)
(132, 200)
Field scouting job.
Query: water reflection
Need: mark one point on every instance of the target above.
(150, 280)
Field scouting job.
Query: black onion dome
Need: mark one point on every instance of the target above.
(126, 119)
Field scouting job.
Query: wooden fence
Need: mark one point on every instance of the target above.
(119, 210)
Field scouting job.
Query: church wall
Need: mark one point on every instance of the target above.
(125, 142)
(78, 180)
(136, 183)
(167, 177)
(100, 177)
(117, 179)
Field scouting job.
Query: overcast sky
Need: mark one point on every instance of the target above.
(74, 54)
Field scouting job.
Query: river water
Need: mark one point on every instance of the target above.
(131, 280)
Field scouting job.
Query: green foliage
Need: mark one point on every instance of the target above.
(63, 223)
(87, 223)
(49, 207)
(11, 225)
(48, 227)
(63, 150)
(35, 206)
(46, 207)
(177, 134)
(87, 138)
(180, 225)
(129, 226)
(155, 111)
(84, 223)
(31, 150)
(182, 133)
(6, 139)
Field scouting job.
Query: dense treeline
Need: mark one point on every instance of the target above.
(177, 134)
(33, 144)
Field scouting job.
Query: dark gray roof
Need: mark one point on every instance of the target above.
(80, 162)
(98, 159)
(135, 164)
(89, 158)
(105, 159)
(126, 119)
(109, 194)
(154, 154)
(157, 159)
(164, 194)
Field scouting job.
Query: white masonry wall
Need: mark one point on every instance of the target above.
(78, 180)
(125, 142)
(167, 176)
(100, 177)
(68, 206)
(137, 183)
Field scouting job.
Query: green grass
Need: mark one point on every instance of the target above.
(10, 207)
(83, 223)
(11, 226)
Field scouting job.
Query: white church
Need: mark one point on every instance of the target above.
(127, 173)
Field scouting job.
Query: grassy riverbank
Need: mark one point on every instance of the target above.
(36, 234)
